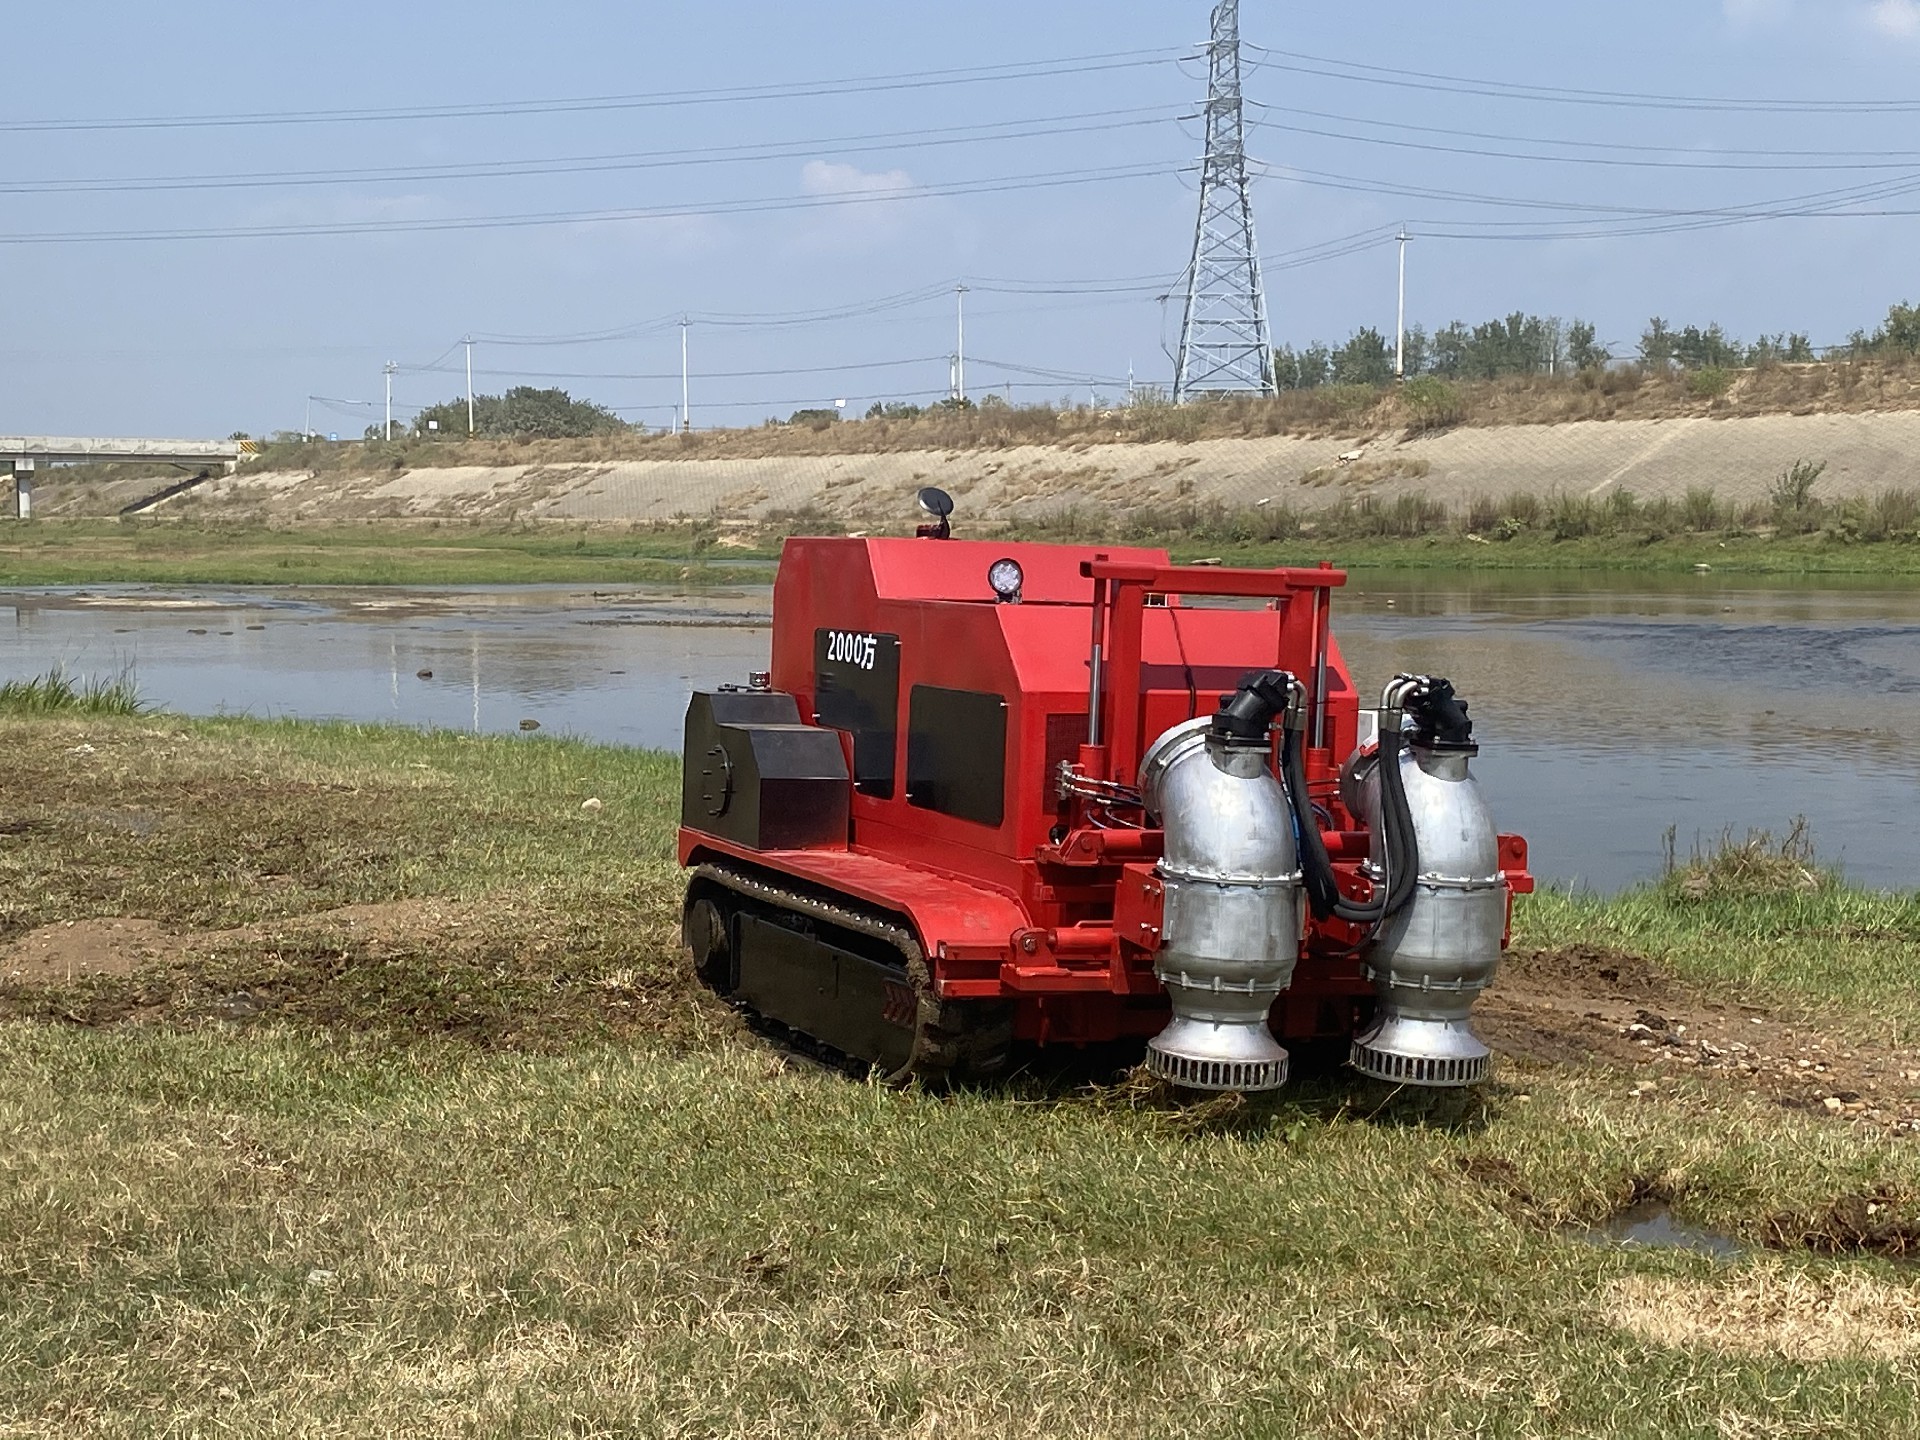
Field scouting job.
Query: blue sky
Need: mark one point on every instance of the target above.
(782, 209)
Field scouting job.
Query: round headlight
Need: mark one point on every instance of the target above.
(1006, 578)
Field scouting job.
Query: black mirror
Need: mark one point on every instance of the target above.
(937, 505)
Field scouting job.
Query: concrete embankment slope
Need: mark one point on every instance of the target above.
(1739, 459)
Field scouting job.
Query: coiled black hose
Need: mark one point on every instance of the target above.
(1402, 858)
(1245, 718)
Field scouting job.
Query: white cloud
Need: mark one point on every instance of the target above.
(1756, 12)
(824, 177)
(862, 220)
(1897, 18)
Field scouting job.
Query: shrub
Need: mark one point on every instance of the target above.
(1793, 491)
(1896, 512)
(1709, 382)
(1569, 517)
(1433, 404)
(1522, 511)
(1753, 868)
(1700, 508)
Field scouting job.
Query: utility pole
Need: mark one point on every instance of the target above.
(307, 434)
(1225, 343)
(1400, 331)
(469, 387)
(388, 369)
(960, 346)
(686, 402)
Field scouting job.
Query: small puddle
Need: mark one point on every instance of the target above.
(1652, 1225)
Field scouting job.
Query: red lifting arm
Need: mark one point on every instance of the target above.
(1126, 585)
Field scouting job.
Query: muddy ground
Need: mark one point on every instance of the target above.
(1579, 1005)
(1584, 1004)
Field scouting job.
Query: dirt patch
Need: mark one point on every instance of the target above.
(1587, 1003)
(490, 974)
(77, 949)
(1875, 1224)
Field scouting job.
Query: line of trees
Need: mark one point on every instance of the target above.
(1519, 344)
(1522, 344)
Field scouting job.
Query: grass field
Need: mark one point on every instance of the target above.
(351, 1084)
(96, 552)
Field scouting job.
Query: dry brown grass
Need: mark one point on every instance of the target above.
(1625, 393)
(1768, 1310)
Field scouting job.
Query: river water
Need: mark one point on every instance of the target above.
(1609, 708)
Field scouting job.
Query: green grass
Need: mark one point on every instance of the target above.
(94, 552)
(91, 552)
(56, 692)
(476, 1159)
(1759, 917)
(1744, 555)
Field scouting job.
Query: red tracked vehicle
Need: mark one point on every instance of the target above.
(1065, 795)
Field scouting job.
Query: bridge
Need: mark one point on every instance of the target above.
(28, 453)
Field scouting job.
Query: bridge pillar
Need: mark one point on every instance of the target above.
(23, 489)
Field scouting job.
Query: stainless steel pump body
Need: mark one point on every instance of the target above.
(1431, 961)
(1233, 914)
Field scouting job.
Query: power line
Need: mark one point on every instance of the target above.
(675, 374)
(757, 206)
(1581, 144)
(1905, 161)
(1066, 377)
(679, 157)
(1331, 69)
(1827, 202)
(799, 90)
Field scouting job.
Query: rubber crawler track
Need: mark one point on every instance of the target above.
(953, 1041)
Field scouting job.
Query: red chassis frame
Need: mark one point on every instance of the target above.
(1057, 908)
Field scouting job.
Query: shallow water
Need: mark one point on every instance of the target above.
(1608, 707)
(1652, 1225)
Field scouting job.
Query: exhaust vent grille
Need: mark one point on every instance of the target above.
(1420, 1069)
(1192, 1074)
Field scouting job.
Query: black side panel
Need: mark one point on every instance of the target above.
(753, 774)
(833, 995)
(856, 688)
(957, 753)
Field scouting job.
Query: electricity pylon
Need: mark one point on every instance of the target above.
(1225, 345)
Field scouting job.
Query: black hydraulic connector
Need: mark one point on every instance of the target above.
(1439, 717)
(1247, 714)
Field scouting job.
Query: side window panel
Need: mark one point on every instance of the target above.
(957, 753)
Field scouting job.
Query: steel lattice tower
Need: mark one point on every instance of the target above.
(1225, 345)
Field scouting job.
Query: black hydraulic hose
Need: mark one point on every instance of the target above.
(1316, 868)
(1396, 823)
(1246, 718)
(1403, 847)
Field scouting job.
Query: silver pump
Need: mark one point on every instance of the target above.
(1233, 916)
(1431, 959)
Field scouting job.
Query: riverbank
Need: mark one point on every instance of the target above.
(1813, 471)
(249, 966)
(98, 552)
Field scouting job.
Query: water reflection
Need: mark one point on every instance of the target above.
(616, 665)
(1609, 707)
